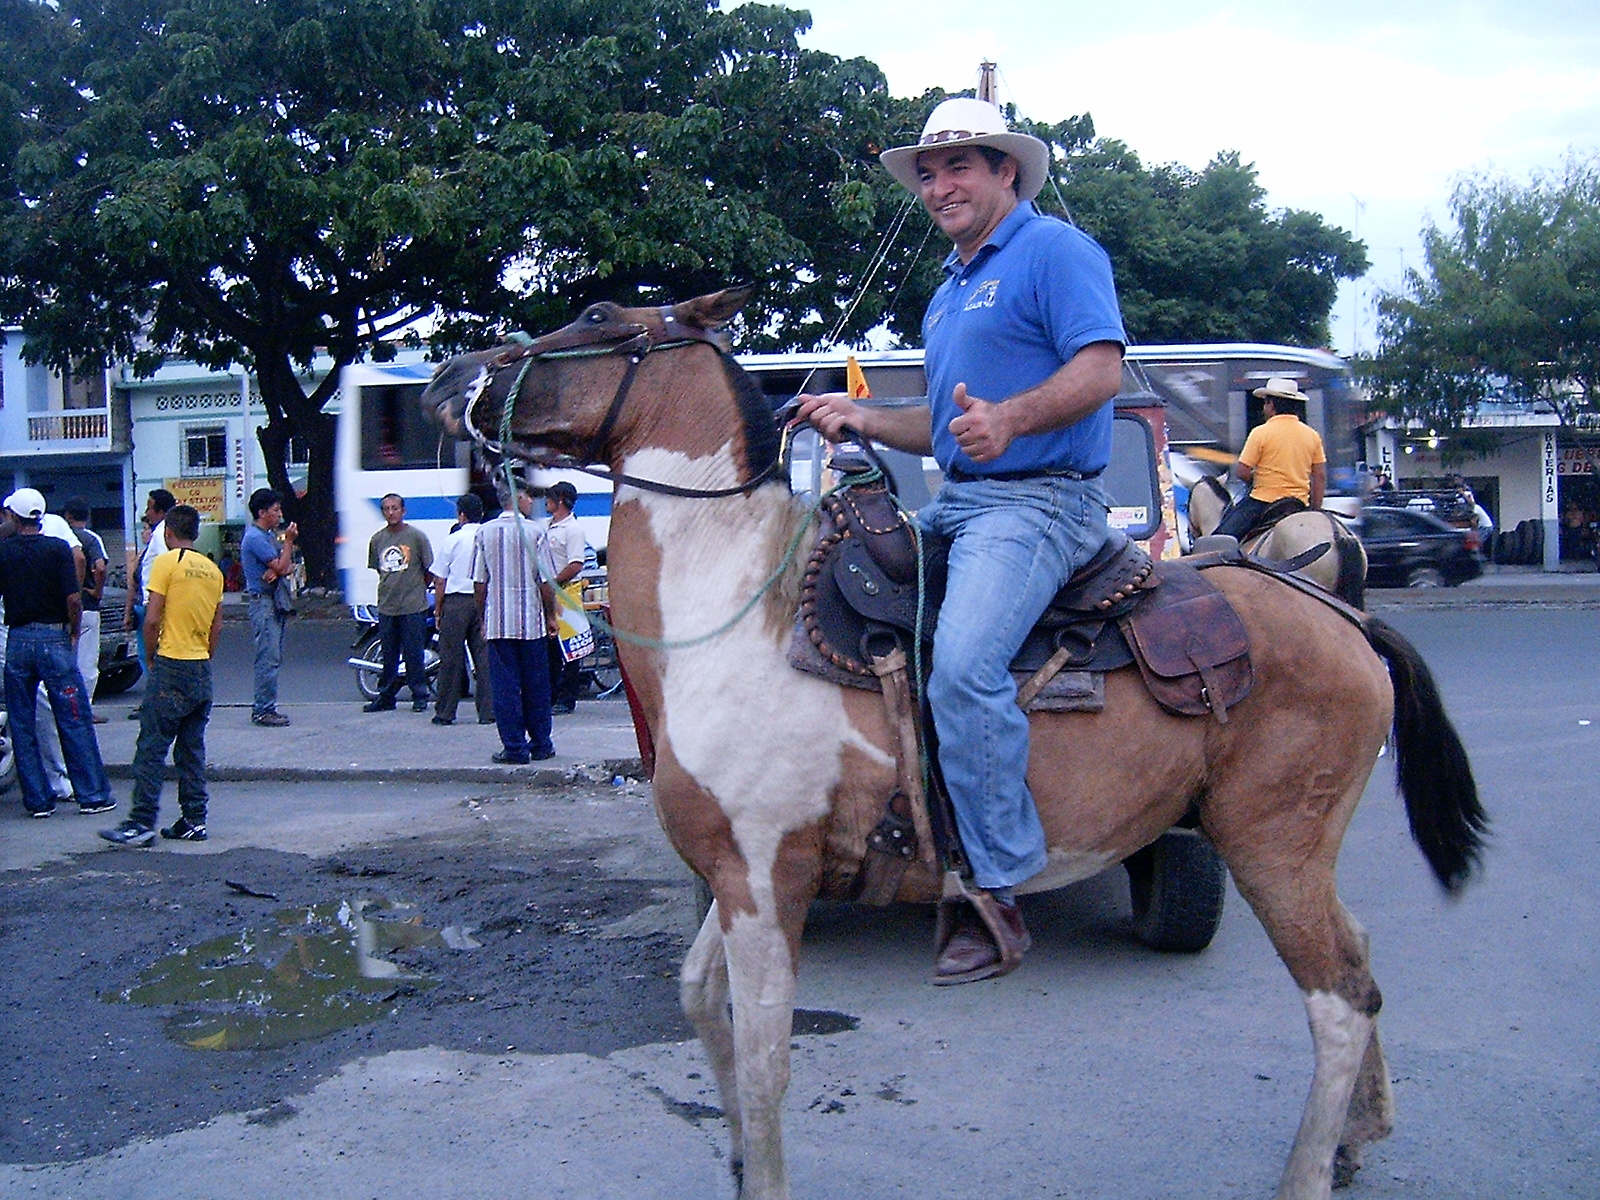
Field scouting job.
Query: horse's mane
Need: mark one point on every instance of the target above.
(755, 410)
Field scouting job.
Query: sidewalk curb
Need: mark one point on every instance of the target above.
(542, 775)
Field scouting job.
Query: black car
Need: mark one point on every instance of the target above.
(1407, 548)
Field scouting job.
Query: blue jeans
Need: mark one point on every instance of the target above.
(403, 637)
(177, 705)
(268, 625)
(520, 671)
(1013, 544)
(38, 654)
(1241, 516)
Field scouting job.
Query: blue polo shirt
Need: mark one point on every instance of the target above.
(1037, 292)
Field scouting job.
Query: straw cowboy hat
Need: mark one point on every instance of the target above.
(1280, 389)
(968, 122)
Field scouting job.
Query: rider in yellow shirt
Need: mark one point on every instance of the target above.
(1282, 458)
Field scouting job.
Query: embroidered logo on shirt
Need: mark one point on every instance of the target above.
(983, 296)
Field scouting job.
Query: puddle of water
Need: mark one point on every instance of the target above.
(314, 971)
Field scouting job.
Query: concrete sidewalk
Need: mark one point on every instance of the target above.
(335, 740)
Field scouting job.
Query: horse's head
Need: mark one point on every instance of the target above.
(569, 386)
(1207, 500)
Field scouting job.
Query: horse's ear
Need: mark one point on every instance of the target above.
(717, 309)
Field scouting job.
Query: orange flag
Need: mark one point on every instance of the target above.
(854, 381)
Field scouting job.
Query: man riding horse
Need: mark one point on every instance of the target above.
(1024, 355)
(1282, 459)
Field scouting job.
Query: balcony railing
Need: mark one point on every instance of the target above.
(92, 425)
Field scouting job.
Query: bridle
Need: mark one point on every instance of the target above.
(590, 336)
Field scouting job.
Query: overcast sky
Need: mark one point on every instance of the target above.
(1364, 111)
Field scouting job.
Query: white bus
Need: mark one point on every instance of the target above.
(1185, 409)
(388, 444)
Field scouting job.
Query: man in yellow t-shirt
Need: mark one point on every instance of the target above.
(1282, 458)
(183, 619)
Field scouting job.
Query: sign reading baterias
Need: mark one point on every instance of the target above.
(204, 495)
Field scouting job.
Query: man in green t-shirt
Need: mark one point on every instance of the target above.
(401, 555)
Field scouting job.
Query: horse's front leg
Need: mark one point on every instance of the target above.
(761, 968)
(703, 992)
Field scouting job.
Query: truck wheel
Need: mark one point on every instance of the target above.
(1177, 885)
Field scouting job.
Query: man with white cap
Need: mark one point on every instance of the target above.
(1282, 459)
(40, 581)
(1024, 354)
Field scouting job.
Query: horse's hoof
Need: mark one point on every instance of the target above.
(1346, 1162)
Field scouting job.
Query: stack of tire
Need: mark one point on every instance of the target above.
(1519, 547)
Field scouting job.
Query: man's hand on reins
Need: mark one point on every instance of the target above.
(832, 413)
(829, 413)
(983, 430)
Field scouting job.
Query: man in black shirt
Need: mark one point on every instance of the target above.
(39, 583)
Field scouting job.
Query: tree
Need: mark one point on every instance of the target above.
(1198, 255)
(252, 181)
(1505, 307)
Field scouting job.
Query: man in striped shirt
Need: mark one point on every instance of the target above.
(511, 569)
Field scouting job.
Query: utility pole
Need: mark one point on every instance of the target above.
(1355, 287)
(986, 88)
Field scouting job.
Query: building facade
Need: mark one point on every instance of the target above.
(66, 435)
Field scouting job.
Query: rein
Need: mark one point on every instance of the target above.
(635, 345)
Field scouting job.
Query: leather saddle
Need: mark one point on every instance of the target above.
(860, 601)
(1274, 512)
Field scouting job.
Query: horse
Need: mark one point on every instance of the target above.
(767, 781)
(1342, 570)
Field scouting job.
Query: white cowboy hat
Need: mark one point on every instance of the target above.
(26, 503)
(1280, 389)
(968, 122)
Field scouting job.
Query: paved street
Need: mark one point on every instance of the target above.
(1100, 1070)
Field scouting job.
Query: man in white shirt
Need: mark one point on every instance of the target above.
(570, 550)
(156, 508)
(510, 565)
(456, 617)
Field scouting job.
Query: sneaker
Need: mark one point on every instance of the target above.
(41, 813)
(184, 831)
(444, 720)
(378, 706)
(541, 755)
(509, 757)
(90, 807)
(274, 719)
(129, 833)
(563, 709)
(421, 705)
(485, 720)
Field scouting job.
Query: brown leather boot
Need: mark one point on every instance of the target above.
(978, 938)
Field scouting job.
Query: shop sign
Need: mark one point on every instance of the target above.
(202, 493)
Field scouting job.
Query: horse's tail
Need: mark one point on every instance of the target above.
(1435, 777)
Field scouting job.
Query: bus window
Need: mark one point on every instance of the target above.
(397, 435)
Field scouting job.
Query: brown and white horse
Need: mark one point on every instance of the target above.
(767, 781)
(1342, 570)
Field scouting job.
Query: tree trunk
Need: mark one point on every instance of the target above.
(289, 412)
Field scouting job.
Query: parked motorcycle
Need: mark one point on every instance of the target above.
(366, 656)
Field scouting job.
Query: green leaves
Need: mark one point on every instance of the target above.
(1505, 306)
(1198, 255)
